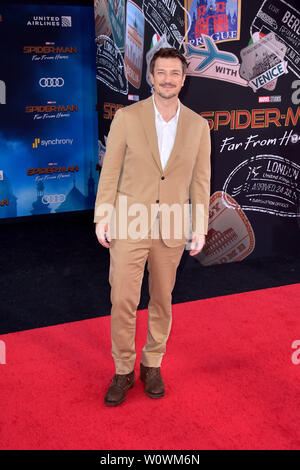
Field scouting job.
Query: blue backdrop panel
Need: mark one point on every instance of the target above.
(48, 119)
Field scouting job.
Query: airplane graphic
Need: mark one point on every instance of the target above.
(209, 54)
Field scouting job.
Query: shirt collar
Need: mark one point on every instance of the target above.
(157, 113)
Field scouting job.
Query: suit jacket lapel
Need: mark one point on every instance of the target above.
(147, 116)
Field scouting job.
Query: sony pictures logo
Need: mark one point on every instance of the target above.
(50, 21)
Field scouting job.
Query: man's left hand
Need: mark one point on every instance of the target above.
(197, 243)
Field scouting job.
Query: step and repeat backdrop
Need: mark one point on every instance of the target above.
(48, 118)
(244, 78)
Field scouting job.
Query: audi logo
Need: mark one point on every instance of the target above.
(51, 82)
(53, 198)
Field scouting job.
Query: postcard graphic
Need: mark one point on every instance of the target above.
(218, 19)
(282, 18)
(116, 10)
(134, 44)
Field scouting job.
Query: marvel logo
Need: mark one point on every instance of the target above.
(264, 99)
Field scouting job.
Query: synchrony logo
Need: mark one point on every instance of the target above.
(49, 142)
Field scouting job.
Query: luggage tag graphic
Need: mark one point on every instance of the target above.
(263, 62)
(282, 18)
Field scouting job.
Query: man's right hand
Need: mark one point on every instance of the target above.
(103, 234)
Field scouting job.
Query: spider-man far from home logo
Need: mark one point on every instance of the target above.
(219, 19)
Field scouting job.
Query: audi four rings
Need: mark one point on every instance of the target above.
(51, 82)
(53, 198)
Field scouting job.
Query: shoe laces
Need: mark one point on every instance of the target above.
(153, 372)
(120, 379)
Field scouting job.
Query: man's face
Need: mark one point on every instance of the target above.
(168, 77)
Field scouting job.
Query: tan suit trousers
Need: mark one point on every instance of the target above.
(127, 264)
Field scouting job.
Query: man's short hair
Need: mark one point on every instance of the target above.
(166, 53)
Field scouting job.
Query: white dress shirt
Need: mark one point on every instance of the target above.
(166, 132)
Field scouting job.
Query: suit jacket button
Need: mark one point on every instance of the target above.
(162, 178)
(157, 200)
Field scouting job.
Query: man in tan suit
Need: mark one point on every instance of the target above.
(156, 165)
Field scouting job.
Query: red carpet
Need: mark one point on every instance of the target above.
(230, 381)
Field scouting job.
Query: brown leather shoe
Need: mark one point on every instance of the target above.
(154, 384)
(116, 392)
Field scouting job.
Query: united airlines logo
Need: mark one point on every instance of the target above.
(2, 92)
(66, 21)
(50, 21)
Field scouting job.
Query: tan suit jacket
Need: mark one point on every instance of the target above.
(132, 168)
